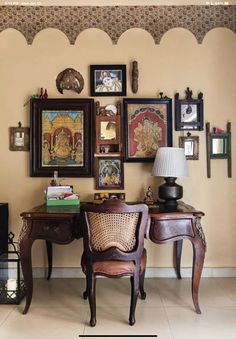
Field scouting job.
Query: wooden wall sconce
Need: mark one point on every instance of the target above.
(19, 138)
(218, 143)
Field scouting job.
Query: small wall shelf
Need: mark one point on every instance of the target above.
(218, 145)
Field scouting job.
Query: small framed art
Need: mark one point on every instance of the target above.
(107, 80)
(108, 195)
(147, 126)
(189, 112)
(19, 138)
(109, 173)
(191, 146)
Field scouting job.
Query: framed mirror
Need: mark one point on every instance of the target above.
(191, 146)
(218, 146)
(189, 112)
(108, 130)
(108, 138)
(19, 138)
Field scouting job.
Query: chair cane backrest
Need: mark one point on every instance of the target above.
(114, 230)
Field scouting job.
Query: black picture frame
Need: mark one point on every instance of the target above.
(189, 112)
(61, 137)
(108, 80)
(109, 173)
(155, 112)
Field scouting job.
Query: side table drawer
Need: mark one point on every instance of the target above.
(52, 230)
(167, 229)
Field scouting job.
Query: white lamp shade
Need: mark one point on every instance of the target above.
(170, 162)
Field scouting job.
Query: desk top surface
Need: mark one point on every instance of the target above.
(43, 210)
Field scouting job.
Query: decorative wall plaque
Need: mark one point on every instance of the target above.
(70, 79)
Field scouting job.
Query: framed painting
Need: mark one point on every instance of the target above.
(108, 80)
(147, 126)
(191, 146)
(61, 137)
(189, 112)
(109, 173)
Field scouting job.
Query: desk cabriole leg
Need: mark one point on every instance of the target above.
(25, 244)
(199, 249)
(49, 255)
(177, 256)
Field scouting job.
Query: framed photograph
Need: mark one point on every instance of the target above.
(108, 80)
(19, 138)
(191, 146)
(147, 126)
(61, 137)
(109, 173)
(189, 112)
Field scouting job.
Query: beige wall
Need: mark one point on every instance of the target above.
(173, 65)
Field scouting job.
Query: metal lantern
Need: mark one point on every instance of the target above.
(12, 288)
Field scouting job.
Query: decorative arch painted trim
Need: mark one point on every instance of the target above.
(115, 20)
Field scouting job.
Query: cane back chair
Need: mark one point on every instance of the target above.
(113, 235)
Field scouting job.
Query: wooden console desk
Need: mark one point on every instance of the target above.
(61, 225)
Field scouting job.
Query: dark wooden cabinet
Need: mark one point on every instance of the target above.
(3, 227)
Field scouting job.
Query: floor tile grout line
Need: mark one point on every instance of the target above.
(169, 324)
(7, 316)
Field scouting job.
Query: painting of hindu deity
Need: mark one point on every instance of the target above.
(62, 137)
(109, 173)
(108, 80)
(148, 126)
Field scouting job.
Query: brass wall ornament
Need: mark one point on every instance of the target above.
(70, 79)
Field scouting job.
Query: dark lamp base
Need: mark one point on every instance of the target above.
(170, 191)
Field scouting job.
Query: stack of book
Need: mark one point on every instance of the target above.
(61, 196)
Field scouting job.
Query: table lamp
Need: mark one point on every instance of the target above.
(170, 163)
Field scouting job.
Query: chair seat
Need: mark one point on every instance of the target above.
(118, 267)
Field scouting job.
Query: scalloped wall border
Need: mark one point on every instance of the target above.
(115, 20)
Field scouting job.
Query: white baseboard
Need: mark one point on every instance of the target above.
(151, 272)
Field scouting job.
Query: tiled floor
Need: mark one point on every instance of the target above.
(58, 310)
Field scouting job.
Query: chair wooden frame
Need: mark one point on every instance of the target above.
(112, 254)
